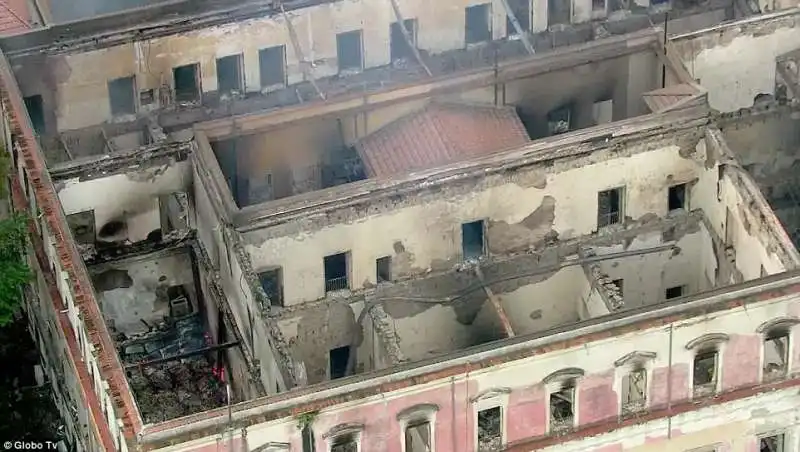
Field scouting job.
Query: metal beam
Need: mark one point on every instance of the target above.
(153, 362)
(304, 63)
(407, 36)
(495, 302)
(523, 35)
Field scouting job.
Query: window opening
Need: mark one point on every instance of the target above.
(620, 283)
(418, 436)
(272, 66)
(272, 283)
(230, 79)
(398, 46)
(383, 269)
(677, 197)
(478, 23)
(559, 12)
(345, 443)
(559, 120)
(122, 95)
(776, 354)
(338, 358)
(598, 5)
(472, 243)
(773, 443)
(187, 83)
(674, 292)
(82, 225)
(349, 51)
(705, 373)
(490, 434)
(35, 106)
(634, 390)
(336, 272)
(562, 408)
(609, 207)
(522, 11)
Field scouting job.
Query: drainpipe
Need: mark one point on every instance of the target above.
(664, 66)
(669, 383)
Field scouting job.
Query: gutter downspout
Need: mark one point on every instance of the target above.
(669, 382)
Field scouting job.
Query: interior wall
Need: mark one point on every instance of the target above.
(736, 63)
(135, 290)
(557, 300)
(424, 232)
(646, 277)
(131, 197)
(79, 81)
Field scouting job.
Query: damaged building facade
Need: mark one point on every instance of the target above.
(510, 225)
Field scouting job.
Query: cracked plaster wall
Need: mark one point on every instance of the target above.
(647, 276)
(735, 63)
(423, 233)
(79, 92)
(131, 197)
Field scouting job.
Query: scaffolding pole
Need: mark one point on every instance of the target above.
(304, 63)
(523, 35)
(407, 36)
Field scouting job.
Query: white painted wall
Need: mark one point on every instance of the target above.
(431, 230)
(647, 276)
(738, 67)
(133, 196)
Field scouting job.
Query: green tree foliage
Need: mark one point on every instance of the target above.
(14, 271)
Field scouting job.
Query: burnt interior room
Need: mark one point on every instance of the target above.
(170, 337)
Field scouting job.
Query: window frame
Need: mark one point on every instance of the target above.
(490, 32)
(787, 325)
(486, 400)
(281, 295)
(272, 86)
(621, 211)
(555, 382)
(341, 430)
(707, 343)
(636, 360)
(350, 69)
(417, 413)
(134, 97)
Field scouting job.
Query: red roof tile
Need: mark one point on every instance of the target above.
(14, 17)
(438, 135)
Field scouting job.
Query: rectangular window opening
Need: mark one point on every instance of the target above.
(418, 436)
(35, 106)
(705, 373)
(774, 443)
(272, 66)
(598, 5)
(338, 358)
(677, 197)
(122, 95)
(490, 433)
(478, 23)
(272, 283)
(559, 120)
(187, 83)
(776, 354)
(620, 283)
(82, 225)
(398, 46)
(230, 75)
(522, 12)
(562, 408)
(634, 391)
(472, 241)
(383, 269)
(345, 443)
(674, 292)
(559, 12)
(336, 272)
(349, 51)
(609, 207)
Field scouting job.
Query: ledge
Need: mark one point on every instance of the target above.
(563, 374)
(421, 410)
(707, 340)
(343, 429)
(780, 322)
(635, 357)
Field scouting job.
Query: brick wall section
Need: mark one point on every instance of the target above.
(99, 425)
(110, 367)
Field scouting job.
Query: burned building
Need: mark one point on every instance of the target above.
(516, 225)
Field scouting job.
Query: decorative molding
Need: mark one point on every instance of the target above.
(563, 374)
(343, 429)
(634, 357)
(707, 340)
(419, 410)
(780, 322)
(489, 393)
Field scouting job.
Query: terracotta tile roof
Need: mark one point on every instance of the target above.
(438, 135)
(14, 17)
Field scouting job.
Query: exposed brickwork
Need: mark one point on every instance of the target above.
(98, 423)
(69, 259)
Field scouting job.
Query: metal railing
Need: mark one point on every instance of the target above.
(334, 284)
